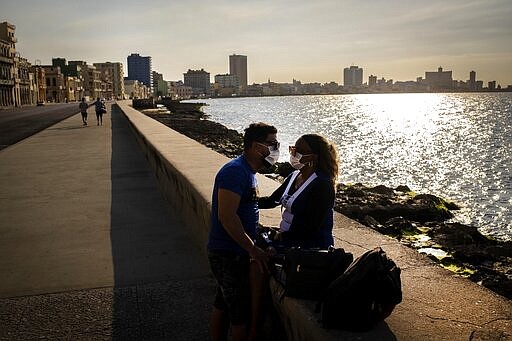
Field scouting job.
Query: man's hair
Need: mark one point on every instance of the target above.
(257, 132)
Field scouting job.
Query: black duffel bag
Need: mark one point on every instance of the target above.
(308, 272)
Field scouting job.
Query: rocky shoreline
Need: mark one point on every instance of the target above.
(420, 221)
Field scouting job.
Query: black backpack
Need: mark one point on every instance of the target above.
(364, 295)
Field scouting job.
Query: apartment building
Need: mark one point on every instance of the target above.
(198, 80)
(114, 72)
(136, 90)
(6, 74)
(7, 71)
(23, 82)
(178, 90)
(55, 86)
(227, 80)
(440, 79)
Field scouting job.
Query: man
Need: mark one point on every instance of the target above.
(233, 256)
(83, 110)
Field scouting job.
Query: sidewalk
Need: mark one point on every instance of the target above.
(88, 247)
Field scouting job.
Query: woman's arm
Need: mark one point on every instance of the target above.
(273, 200)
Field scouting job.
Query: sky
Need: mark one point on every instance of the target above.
(306, 40)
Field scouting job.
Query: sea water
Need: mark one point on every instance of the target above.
(457, 146)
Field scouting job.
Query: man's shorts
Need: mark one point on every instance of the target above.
(233, 292)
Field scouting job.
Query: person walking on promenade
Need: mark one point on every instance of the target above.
(307, 195)
(234, 258)
(100, 110)
(83, 110)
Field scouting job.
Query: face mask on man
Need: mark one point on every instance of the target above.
(272, 157)
(295, 161)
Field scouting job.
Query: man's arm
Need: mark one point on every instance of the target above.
(228, 206)
(227, 211)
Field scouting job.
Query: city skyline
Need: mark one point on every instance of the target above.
(285, 40)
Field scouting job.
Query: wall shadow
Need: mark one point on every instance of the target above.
(163, 289)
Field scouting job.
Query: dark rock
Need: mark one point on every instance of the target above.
(395, 227)
(403, 225)
(437, 203)
(452, 235)
(371, 222)
(214, 135)
(494, 280)
(451, 205)
(381, 189)
(447, 261)
(147, 103)
(431, 208)
(403, 189)
(188, 108)
(354, 192)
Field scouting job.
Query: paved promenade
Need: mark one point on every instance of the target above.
(88, 247)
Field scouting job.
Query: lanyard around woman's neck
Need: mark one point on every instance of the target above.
(287, 200)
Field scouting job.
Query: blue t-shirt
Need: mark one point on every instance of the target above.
(238, 177)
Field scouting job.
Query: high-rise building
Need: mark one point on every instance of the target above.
(472, 80)
(157, 78)
(238, 67)
(372, 80)
(199, 80)
(352, 76)
(139, 68)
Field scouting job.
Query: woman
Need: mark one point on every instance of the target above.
(100, 110)
(307, 195)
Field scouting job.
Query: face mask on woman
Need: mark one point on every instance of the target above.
(295, 161)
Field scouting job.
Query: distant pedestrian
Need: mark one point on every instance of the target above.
(100, 110)
(83, 110)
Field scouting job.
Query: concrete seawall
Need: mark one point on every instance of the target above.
(437, 305)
